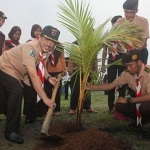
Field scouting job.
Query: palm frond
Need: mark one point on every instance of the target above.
(76, 16)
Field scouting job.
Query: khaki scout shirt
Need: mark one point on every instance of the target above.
(129, 79)
(139, 21)
(14, 61)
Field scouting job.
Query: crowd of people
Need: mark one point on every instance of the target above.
(34, 66)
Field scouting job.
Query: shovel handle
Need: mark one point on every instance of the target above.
(48, 117)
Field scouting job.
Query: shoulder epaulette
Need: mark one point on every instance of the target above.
(147, 69)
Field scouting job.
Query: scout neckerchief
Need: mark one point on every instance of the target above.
(41, 72)
(12, 43)
(52, 59)
(130, 47)
(33, 39)
(115, 43)
(138, 94)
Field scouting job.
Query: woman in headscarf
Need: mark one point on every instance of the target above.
(13, 38)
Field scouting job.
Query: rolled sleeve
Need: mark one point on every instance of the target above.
(120, 81)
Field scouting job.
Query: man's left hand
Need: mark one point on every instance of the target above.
(53, 80)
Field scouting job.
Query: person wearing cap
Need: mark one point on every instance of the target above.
(2, 47)
(19, 62)
(136, 72)
(115, 70)
(130, 8)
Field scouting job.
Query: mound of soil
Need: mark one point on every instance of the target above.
(84, 139)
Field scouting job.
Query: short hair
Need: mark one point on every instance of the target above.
(115, 18)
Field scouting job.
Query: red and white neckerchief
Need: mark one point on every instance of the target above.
(41, 72)
(53, 59)
(34, 39)
(138, 94)
(130, 47)
(115, 44)
(12, 43)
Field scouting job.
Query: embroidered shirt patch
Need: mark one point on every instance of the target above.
(32, 53)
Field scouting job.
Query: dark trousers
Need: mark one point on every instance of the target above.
(30, 104)
(129, 110)
(75, 92)
(15, 91)
(1, 99)
(66, 89)
(113, 72)
(144, 55)
(49, 89)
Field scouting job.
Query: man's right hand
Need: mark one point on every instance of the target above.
(50, 103)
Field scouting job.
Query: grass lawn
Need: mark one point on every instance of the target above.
(138, 138)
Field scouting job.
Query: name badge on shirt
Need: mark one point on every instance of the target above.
(32, 53)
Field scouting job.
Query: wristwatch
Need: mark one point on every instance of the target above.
(129, 100)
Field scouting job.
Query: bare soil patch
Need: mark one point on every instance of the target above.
(86, 138)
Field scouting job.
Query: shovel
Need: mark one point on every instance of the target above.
(44, 131)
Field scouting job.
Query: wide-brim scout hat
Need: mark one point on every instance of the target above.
(130, 4)
(132, 55)
(2, 15)
(51, 33)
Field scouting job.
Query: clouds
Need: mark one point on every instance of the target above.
(25, 13)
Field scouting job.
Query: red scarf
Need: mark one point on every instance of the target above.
(138, 94)
(41, 72)
(115, 44)
(52, 59)
(12, 43)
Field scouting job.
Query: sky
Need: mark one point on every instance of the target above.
(25, 13)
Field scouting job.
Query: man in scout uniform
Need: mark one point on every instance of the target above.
(19, 62)
(137, 76)
(130, 10)
(115, 70)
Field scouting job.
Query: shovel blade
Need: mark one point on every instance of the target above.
(49, 138)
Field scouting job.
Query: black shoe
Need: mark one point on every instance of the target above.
(14, 137)
(111, 111)
(29, 121)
